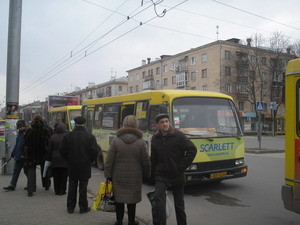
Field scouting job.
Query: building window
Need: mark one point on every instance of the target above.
(241, 88)
(137, 77)
(173, 66)
(174, 80)
(228, 88)
(157, 70)
(204, 73)
(193, 75)
(264, 76)
(227, 55)
(193, 88)
(252, 74)
(264, 61)
(136, 88)
(165, 68)
(144, 74)
(165, 81)
(157, 84)
(227, 71)
(120, 88)
(204, 57)
(193, 60)
(131, 89)
(204, 87)
(241, 106)
(131, 78)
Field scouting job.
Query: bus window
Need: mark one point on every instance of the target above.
(141, 114)
(111, 116)
(89, 119)
(209, 116)
(153, 112)
(72, 115)
(97, 116)
(126, 110)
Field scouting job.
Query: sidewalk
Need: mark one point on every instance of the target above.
(46, 208)
(269, 144)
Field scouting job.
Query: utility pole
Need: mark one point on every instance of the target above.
(12, 77)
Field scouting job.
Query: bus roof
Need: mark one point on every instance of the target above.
(293, 67)
(156, 94)
(65, 108)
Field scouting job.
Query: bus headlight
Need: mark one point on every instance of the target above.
(192, 167)
(239, 162)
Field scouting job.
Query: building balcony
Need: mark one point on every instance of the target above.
(149, 77)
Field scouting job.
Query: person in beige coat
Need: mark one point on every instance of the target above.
(126, 164)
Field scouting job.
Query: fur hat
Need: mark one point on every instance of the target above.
(79, 120)
(131, 121)
(161, 116)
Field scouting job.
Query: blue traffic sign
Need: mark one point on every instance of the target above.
(259, 106)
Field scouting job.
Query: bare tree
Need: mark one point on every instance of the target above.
(261, 64)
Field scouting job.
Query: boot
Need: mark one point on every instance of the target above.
(119, 223)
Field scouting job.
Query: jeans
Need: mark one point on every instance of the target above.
(159, 212)
(19, 165)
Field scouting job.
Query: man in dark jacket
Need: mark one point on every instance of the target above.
(171, 153)
(80, 149)
(36, 144)
(18, 155)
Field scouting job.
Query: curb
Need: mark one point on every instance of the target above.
(263, 151)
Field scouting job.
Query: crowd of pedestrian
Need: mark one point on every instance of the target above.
(71, 155)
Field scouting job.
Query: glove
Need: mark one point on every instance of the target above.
(12, 155)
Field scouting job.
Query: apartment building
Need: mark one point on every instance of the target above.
(221, 66)
(114, 87)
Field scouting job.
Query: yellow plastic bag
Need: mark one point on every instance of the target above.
(101, 193)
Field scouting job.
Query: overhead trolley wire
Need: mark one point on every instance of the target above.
(87, 54)
(70, 55)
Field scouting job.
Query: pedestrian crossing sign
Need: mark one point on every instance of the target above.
(259, 106)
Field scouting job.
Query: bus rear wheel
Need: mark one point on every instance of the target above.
(99, 161)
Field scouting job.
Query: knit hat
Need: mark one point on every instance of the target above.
(161, 116)
(79, 120)
(130, 121)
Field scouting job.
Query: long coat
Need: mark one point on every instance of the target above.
(36, 143)
(80, 149)
(55, 141)
(126, 163)
(171, 155)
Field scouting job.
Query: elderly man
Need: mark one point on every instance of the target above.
(171, 153)
(80, 149)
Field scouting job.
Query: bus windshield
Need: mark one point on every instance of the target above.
(72, 115)
(206, 117)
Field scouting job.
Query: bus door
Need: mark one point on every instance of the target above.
(89, 118)
(297, 140)
(126, 109)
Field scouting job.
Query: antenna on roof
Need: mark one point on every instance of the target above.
(217, 32)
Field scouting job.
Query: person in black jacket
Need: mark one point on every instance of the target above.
(80, 149)
(18, 155)
(59, 165)
(171, 153)
(36, 144)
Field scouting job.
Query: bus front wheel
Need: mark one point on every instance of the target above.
(99, 161)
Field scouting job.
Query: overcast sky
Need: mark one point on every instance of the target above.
(69, 43)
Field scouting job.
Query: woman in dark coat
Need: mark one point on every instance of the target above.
(126, 163)
(36, 143)
(59, 164)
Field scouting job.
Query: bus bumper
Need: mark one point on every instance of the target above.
(216, 175)
(290, 202)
